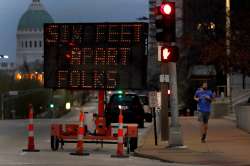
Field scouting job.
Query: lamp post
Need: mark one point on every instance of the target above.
(228, 36)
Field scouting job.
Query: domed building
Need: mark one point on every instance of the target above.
(29, 52)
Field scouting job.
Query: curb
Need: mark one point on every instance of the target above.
(151, 157)
(138, 154)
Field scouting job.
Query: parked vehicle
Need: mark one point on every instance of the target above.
(133, 109)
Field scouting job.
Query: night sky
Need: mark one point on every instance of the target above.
(66, 11)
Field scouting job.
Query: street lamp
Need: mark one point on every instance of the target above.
(228, 36)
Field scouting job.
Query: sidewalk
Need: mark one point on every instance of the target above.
(226, 145)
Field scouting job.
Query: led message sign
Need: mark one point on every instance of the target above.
(95, 55)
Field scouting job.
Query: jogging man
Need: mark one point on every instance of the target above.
(204, 98)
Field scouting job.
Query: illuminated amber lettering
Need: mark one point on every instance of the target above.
(99, 79)
(111, 58)
(124, 56)
(62, 77)
(87, 80)
(112, 79)
(76, 56)
(126, 33)
(114, 33)
(100, 56)
(52, 34)
(75, 79)
(101, 33)
(87, 55)
(64, 34)
(137, 33)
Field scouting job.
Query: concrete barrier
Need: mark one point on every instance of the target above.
(243, 117)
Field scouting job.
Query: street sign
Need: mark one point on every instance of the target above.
(153, 102)
(164, 78)
(159, 100)
(95, 55)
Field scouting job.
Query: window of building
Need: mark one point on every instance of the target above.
(35, 44)
(30, 44)
(40, 43)
(26, 44)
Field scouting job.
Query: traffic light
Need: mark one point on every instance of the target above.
(169, 54)
(51, 105)
(165, 22)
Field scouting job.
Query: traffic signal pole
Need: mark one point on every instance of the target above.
(166, 34)
(175, 136)
(164, 104)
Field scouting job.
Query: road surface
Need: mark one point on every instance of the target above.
(13, 138)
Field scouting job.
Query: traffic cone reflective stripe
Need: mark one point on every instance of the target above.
(120, 150)
(31, 140)
(120, 142)
(30, 127)
(80, 143)
(31, 134)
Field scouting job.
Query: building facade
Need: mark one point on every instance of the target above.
(29, 51)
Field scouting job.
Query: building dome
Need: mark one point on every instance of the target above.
(34, 17)
(29, 47)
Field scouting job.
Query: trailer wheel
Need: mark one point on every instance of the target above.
(133, 144)
(54, 142)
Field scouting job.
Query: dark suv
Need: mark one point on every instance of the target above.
(133, 112)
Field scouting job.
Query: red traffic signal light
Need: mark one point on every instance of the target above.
(165, 22)
(169, 54)
(166, 9)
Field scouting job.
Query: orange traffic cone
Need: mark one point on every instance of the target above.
(80, 143)
(31, 142)
(120, 149)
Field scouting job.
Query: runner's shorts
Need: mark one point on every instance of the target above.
(203, 117)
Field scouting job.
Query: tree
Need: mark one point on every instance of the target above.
(239, 59)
